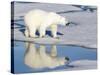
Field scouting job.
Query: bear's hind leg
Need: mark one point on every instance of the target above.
(32, 32)
(26, 32)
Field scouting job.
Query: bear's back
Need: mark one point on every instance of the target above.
(35, 16)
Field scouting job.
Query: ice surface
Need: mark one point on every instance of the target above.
(83, 64)
(82, 32)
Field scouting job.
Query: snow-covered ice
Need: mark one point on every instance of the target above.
(83, 64)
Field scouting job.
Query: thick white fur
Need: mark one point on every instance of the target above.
(40, 20)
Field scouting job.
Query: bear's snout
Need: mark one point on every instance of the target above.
(67, 24)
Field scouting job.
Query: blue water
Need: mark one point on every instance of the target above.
(22, 49)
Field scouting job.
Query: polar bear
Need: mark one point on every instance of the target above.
(41, 20)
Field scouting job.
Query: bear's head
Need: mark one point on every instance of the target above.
(63, 21)
(58, 19)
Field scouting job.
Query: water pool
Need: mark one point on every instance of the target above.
(29, 57)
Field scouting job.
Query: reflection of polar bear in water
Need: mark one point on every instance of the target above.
(40, 20)
(38, 58)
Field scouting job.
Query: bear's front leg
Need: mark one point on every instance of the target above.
(42, 31)
(54, 30)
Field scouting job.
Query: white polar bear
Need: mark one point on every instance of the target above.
(40, 20)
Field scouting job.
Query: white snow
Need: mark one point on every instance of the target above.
(82, 34)
(22, 8)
